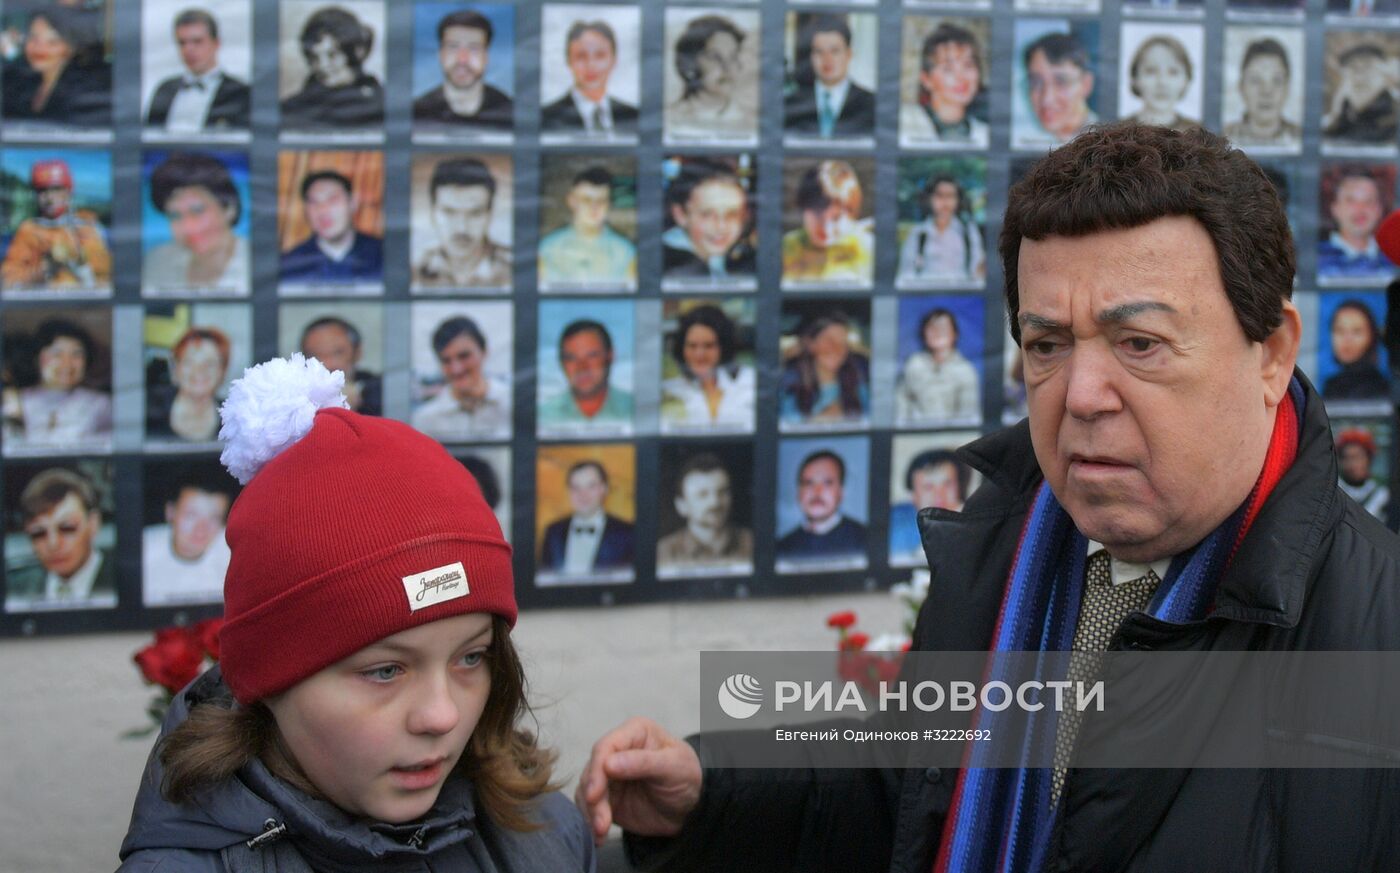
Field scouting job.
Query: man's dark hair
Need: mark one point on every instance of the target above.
(202, 477)
(581, 465)
(49, 488)
(579, 28)
(61, 327)
(351, 332)
(593, 175)
(454, 327)
(691, 44)
(948, 33)
(466, 18)
(1126, 175)
(826, 22)
(198, 16)
(336, 177)
(1268, 47)
(696, 172)
(710, 316)
(1059, 48)
(486, 479)
(817, 456)
(462, 173)
(584, 324)
(352, 37)
(195, 170)
(702, 462)
(1361, 50)
(936, 458)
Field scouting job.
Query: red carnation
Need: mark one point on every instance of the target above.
(173, 660)
(858, 640)
(207, 632)
(841, 620)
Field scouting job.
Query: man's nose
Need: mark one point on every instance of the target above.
(1090, 373)
(434, 710)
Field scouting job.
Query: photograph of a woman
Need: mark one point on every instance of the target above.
(826, 380)
(62, 76)
(1355, 340)
(714, 58)
(1159, 79)
(207, 250)
(190, 412)
(50, 401)
(713, 388)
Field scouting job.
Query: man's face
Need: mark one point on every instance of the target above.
(62, 364)
(587, 491)
(1355, 463)
(953, 77)
(591, 60)
(589, 205)
(705, 500)
(831, 57)
(329, 63)
(819, 490)
(461, 216)
(701, 351)
(1059, 95)
(195, 519)
(461, 361)
(586, 361)
(329, 210)
(938, 486)
(1356, 207)
(331, 345)
(199, 51)
(1264, 87)
(53, 202)
(714, 217)
(1364, 78)
(62, 538)
(463, 54)
(1150, 410)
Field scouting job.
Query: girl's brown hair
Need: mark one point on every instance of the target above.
(506, 765)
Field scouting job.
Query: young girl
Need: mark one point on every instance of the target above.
(363, 713)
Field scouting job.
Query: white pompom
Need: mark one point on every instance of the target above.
(273, 406)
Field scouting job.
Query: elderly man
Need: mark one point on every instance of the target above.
(1171, 448)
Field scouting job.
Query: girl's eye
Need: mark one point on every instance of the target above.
(386, 673)
(472, 659)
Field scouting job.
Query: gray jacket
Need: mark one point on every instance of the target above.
(255, 823)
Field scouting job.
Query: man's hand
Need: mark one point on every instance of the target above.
(641, 777)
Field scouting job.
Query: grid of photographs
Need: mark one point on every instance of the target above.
(704, 294)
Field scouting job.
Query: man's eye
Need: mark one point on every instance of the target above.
(1140, 344)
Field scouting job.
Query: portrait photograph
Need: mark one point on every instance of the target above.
(461, 226)
(1360, 90)
(55, 220)
(941, 358)
(925, 473)
(60, 536)
(191, 352)
(1164, 8)
(585, 511)
(828, 223)
(1352, 200)
(330, 70)
(463, 72)
(1161, 73)
(330, 222)
(942, 82)
(184, 555)
(1363, 461)
(462, 354)
(1261, 96)
(588, 223)
(823, 510)
(1054, 93)
(490, 467)
(585, 366)
(942, 209)
(590, 73)
(56, 382)
(709, 236)
(709, 382)
(1352, 365)
(196, 70)
(196, 218)
(824, 349)
(705, 509)
(710, 90)
(57, 70)
(344, 335)
(830, 62)
(1264, 10)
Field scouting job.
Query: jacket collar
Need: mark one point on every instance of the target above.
(1268, 578)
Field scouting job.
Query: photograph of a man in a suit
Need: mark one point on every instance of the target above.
(590, 49)
(61, 521)
(204, 97)
(826, 102)
(589, 539)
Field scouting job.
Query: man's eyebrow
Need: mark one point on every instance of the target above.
(1125, 311)
(1030, 319)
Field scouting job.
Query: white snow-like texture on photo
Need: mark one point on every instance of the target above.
(273, 406)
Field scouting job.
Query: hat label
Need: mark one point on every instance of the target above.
(435, 586)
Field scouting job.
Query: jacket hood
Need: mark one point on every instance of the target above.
(255, 801)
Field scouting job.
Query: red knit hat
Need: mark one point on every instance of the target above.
(351, 528)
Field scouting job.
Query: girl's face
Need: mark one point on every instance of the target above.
(830, 347)
(701, 351)
(1351, 336)
(44, 49)
(944, 202)
(62, 364)
(1160, 80)
(940, 336)
(379, 731)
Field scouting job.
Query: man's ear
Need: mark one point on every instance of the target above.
(1280, 354)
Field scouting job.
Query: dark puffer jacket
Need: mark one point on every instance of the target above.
(299, 834)
(1315, 572)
